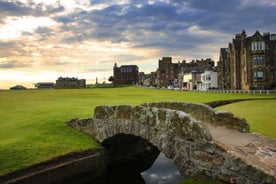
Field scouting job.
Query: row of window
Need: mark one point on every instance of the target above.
(256, 46)
(126, 69)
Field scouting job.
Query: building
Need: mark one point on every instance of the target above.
(209, 80)
(147, 79)
(169, 73)
(224, 74)
(249, 62)
(125, 75)
(70, 82)
(189, 80)
(45, 85)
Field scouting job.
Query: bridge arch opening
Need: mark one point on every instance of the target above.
(129, 152)
(131, 156)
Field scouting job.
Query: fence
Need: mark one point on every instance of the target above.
(244, 91)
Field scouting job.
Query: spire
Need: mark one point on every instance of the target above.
(115, 65)
(243, 34)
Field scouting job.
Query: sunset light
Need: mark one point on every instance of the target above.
(43, 40)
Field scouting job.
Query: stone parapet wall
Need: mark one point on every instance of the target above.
(206, 114)
(178, 122)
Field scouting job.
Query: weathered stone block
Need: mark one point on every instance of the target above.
(231, 121)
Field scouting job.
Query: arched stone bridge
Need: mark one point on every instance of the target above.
(198, 139)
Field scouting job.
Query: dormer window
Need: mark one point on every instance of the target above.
(255, 46)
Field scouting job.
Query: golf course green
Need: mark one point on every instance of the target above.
(33, 122)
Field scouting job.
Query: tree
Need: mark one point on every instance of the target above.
(111, 79)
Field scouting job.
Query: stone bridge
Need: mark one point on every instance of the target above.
(198, 139)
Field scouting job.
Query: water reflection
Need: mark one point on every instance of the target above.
(163, 171)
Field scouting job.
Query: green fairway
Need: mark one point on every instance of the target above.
(33, 128)
(261, 114)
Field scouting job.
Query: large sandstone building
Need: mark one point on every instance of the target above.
(249, 62)
(125, 75)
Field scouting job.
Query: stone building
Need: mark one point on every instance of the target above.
(249, 62)
(147, 79)
(125, 75)
(169, 73)
(66, 82)
(224, 69)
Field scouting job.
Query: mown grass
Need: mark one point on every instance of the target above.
(33, 128)
(261, 115)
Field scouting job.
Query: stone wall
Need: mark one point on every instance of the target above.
(206, 114)
(179, 135)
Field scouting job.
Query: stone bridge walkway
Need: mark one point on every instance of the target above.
(256, 150)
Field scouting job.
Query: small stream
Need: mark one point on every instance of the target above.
(163, 171)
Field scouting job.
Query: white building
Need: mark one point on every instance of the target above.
(209, 79)
(189, 80)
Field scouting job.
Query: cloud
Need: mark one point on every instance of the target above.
(13, 8)
(12, 64)
(11, 48)
(60, 63)
(44, 32)
(56, 34)
(29, 8)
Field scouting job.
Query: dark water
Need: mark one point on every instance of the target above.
(163, 171)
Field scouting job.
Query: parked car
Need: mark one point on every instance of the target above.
(170, 87)
(17, 87)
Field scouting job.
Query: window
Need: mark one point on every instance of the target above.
(259, 75)
(258, 61)
(126, 69)
(273, 37)
(258, 46)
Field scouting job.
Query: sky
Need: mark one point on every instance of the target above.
(43, 40)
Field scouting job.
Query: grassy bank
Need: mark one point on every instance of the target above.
(32, 123)
(261, 115)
